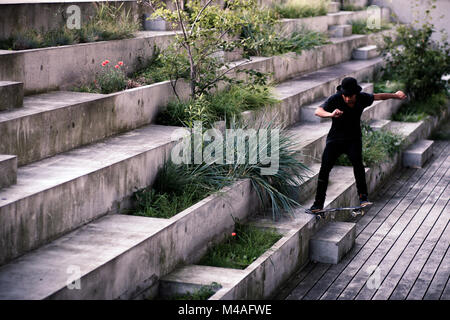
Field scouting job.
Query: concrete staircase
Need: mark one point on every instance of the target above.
(79, 158)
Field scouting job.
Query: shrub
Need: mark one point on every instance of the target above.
(416, 110)
(293, 9)
(417, 61)
(261, 38)
(188, 183)
(224, 105)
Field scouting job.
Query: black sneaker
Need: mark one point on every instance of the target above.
(315, 208)
(363, 200)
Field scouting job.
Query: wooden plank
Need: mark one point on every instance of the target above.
(397, 237)
(304, 286)
(408, 179)
(426, 275)
(293, 282)
(387, 190)
(407, 245)
(408, 279)
(440, 279)
(395, 205)
(408, 266)
(446, 294)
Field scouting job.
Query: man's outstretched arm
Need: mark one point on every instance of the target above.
(385, 96)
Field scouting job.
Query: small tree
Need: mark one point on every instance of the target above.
(207, 30)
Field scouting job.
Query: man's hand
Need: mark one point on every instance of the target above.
(336, 113)
(401, 95)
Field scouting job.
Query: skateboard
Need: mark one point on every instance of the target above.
(356, 211)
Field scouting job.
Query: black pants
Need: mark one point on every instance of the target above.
(333, 149)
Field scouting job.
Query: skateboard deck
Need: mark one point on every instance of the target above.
(356, 211)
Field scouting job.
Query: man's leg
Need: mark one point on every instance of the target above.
(332, 151)
(354, 153)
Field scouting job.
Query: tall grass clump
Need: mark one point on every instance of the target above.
(293, 9)
(241, 248)
(179, 186)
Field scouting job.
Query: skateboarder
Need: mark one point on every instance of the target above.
(345, 108)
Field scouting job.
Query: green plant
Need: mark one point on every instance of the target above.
(111, 78)
(388, 86)
(416, 110)
(241, 248)
(110, 22)
(261, 38)
(360, 27)
(206, 30)
(378, 146)
(222, 105)
(293, 9)
(177, 187)
(416, 60)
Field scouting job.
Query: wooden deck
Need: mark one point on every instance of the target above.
(402, 244)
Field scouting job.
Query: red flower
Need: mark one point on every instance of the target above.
(116, 66)
(233, 234)
(120, 63)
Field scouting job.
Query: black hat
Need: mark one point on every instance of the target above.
(349, 87)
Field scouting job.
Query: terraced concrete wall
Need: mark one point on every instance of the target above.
(47, 15)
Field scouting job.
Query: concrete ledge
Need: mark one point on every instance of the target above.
(263, 276)
(320, 23)
(93, 181)
(70, 113)
(8, 170)
(60, 68)
(339, 31)
(145, 250)
(334, 7)
(11, 95)
(332, 242)
(417, 154)
(365, 53)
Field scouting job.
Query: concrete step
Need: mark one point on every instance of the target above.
(92, 180)
(334, 7)
(332, 242)
(340, 30)
(410, 131)
(418, 153)
(146, 250)
(84, 258)
(378, 124)
(8, 170)
(307, 112)
(11, 95)
(365, 53)
(56, 122)
(193, 277)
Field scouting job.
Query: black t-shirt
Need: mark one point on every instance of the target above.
(347, 126)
